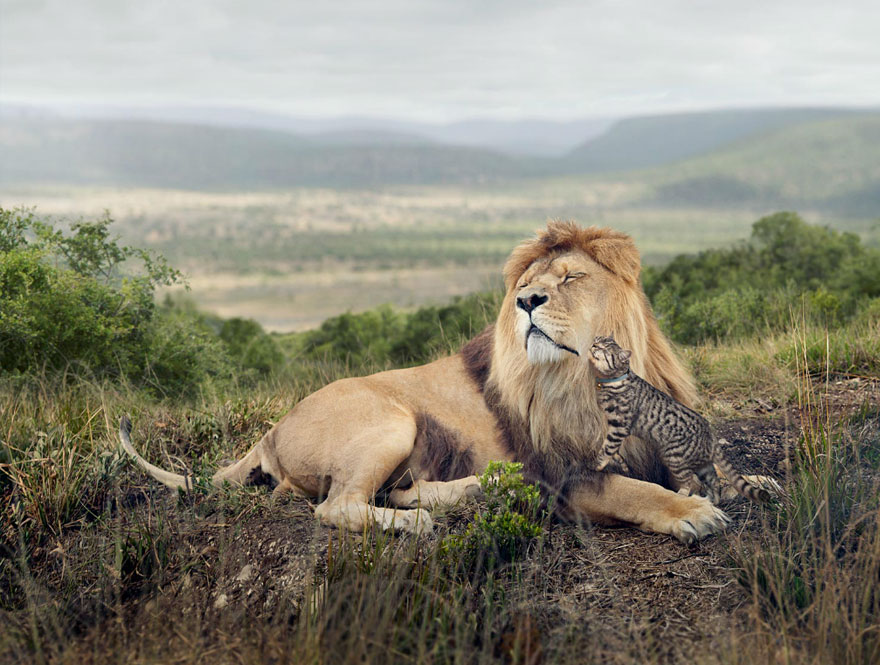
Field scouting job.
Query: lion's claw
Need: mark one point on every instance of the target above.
(701, 521)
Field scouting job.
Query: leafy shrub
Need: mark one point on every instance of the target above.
(181, 353)
(64, 298)
(249, 345)
(787, 265)
(729, 313)
(513, 519)
(355, 338)
(384, 336)
(67, 299)
(431, 330)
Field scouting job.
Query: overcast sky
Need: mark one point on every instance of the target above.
(442, 60)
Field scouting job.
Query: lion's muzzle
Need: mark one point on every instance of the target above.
(531, 301)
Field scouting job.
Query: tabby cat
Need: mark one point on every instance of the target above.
(683, 438)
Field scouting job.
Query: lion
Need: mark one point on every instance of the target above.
(521, 390)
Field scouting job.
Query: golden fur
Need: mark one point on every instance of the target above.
(521, 390)
(558, 400)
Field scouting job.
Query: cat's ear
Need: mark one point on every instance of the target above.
(625, 354)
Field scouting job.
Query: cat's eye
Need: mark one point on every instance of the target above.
(573, 276)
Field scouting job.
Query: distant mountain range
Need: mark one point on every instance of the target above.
(636, 143)
(162, 154)
(828, 159)
(830, 164)
(532, 137)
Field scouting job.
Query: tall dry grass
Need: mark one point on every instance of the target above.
(813, 569)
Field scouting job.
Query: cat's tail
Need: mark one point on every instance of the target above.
(740, 484)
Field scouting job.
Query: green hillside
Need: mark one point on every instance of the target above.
(637, 143)
(822, 160)
(153, 154)
(830, 165)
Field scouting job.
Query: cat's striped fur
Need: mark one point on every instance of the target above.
(632, 406)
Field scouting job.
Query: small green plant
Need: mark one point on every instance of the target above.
(140, 554)
(513, 519)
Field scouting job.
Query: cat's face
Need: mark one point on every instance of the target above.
(608, 358)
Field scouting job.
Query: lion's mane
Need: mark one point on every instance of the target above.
(549, 412)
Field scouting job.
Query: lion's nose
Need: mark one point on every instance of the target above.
(530, 302)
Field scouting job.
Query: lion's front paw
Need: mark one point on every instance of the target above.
(416, 521)
(473, 489)
(700, 518)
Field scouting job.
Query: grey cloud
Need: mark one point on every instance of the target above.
(442, 60)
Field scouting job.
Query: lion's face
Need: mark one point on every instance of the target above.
(564, 287)
(558, 302)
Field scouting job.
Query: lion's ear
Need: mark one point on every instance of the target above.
(619, 255)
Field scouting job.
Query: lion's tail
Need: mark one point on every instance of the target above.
(236, 473)
(739, 483)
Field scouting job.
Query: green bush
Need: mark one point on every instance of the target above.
(432, 330)
(249, 345)
(64, 299)
(181, 354)
(512, 521)
(385, 336)
(73, 300)
(787, 266)
(355, 338)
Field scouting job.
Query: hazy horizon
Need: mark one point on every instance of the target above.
(99, 109)
(534, 137)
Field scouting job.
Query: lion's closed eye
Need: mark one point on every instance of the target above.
(573, 276)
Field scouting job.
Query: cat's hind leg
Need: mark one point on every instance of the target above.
(687, 482)
(709, 480)
(614, 458)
